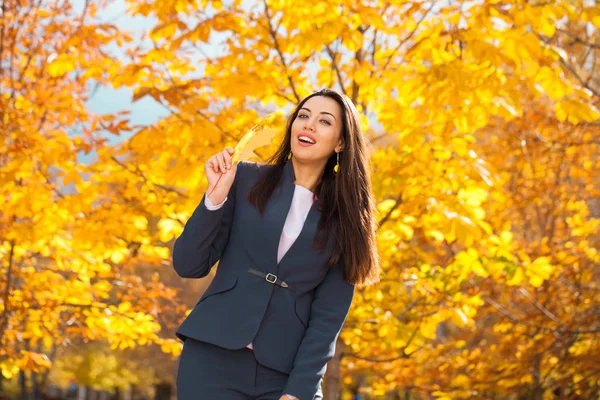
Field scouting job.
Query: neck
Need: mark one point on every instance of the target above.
(307, 175)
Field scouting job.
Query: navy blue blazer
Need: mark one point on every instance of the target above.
(293, 329)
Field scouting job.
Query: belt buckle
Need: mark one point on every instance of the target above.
(270, 276)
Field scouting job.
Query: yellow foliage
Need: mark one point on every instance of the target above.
(483, 133)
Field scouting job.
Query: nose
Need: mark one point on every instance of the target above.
(309, 125)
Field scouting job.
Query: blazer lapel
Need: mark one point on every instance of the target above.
(276, 211)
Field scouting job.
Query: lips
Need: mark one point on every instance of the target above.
(308, 135)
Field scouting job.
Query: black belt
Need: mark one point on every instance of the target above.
(271, 278)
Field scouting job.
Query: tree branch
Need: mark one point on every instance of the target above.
(516, 320)
(280, 54)
(141, 175)
(7, 290)
(410, 35)
(336, 68)
(389, 213)
(384, 360)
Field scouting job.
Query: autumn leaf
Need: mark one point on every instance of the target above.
(261, 134)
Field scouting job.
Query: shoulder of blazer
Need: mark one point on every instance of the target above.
(253, 168)
(253, 165)
(247, 174)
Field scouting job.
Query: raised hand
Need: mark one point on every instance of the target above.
(220, 173)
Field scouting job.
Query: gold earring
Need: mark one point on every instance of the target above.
(336, 168)
(289, 155)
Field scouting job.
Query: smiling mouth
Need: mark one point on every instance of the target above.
(305, 139)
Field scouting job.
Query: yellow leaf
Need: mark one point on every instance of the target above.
(164, 31)
(162, 252)
(168, 228)
(435, 234)
(406, 230)
(72, 177)
(461, 380)
(429, 326)
(61, 65)
(527, 378)
(479, 269)
(575, 111)
(34, 361)
(536, 280)
(117, 257)
(472, 196)
(547, 27)
(140, 222)
(386, 205)
(517, 277)
(256, 137)
(47, 341)
(383, 331)
(542, 267)
(459, 318)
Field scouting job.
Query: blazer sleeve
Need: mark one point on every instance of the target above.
(205, 235)
(329, 309)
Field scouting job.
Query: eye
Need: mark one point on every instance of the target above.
(325, 121)
(302, 115)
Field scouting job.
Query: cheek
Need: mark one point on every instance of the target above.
(296, 125)
(333, 136)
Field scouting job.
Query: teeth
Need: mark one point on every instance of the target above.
(306, 139)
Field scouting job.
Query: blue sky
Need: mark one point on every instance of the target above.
(108, 100)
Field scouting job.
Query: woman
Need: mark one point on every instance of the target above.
(293, 238)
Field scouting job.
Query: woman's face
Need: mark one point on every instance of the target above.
(319, 119)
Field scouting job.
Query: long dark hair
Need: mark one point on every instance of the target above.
(345, 199)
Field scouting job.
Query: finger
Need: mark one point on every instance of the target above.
(228, 160)
(213, 164)
(221, 161)
(225, 161)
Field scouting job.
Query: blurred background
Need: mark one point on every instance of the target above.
(484, 132)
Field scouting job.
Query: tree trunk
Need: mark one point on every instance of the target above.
(333, 374)
(35, 388)
(23, 385)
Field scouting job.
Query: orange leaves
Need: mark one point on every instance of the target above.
(168, 229)
(61, 65)
(171, 346)
(34, 362)
(484, 144)
(576, 112)
(166, 30)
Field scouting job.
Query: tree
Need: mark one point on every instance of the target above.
(484, 131)
(68, 257)
(445, 84)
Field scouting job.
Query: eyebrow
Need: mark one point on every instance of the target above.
(322, 112)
